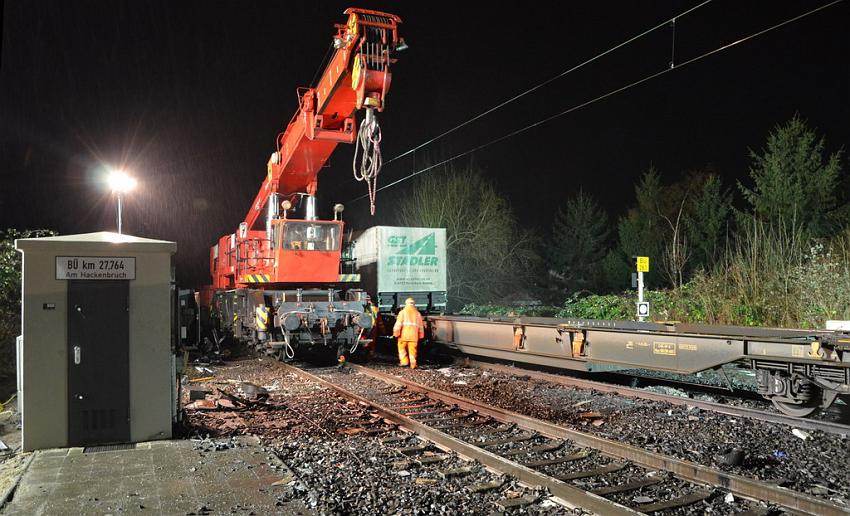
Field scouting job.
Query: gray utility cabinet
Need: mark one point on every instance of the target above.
(95, 360)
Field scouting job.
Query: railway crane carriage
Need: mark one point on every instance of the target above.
(279, 286)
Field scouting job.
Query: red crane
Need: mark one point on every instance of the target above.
(307, 251)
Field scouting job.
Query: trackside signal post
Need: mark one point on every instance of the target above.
(642, 263)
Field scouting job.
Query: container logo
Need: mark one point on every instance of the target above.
(425, 245)
(420, 252)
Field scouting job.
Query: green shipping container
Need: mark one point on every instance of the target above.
(399, 262)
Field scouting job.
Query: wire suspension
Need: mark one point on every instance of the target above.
(673, 43)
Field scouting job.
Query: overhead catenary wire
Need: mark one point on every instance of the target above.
(607, 95)
(550, 80)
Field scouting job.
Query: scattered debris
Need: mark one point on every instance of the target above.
(456, 472)
(801, 434)
(401, 464)
(592, 414)
(549, 504)
(351, 431)
(733, 457)
(225, 403)
(520, 501)
(198, 393)
(204, 404)
(284, 481)
(486, 486)
(253, 391)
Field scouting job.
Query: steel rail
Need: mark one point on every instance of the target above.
(729, 410)
(739, 485)
(562, 490)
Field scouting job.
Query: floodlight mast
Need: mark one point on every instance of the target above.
(120, 182)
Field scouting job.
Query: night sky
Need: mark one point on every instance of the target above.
(189, 97)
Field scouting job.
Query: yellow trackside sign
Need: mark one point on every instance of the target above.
(643, 263)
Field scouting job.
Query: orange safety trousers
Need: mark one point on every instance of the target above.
(407, 353)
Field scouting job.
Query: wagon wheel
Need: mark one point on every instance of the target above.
(805, 409)
(820, 401)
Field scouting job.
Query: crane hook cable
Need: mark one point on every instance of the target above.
(609, 94)
(368, 146)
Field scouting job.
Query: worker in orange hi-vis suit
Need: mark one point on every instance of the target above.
(408, 329)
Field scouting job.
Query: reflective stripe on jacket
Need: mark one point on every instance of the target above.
(409, 325)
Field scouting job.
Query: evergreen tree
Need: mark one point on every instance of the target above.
(707, 219)
(641, 232)
(793, 181)
(579, 243)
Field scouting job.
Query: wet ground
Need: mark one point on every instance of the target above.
(344, 459)
(12, 461)
(264, 441)
(161, 477)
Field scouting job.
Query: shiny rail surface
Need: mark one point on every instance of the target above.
(562, 490)
(738, 485)
(731, 410)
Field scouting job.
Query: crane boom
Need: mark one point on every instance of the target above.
(356, 77)
(307, 252)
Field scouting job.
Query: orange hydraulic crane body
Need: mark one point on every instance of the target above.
(290, 251)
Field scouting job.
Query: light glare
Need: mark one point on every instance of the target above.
(120, 181)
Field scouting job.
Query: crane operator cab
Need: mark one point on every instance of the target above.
(306, 251)
(310, 235)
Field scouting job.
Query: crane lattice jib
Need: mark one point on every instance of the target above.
(357, 76)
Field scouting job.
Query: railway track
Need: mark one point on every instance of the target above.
(721, 408)
(338, 456)
(583, 470)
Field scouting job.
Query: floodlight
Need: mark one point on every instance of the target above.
(120, 181)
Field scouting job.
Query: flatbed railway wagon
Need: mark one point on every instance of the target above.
(799, 371)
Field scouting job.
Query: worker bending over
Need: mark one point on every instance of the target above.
(408, 328)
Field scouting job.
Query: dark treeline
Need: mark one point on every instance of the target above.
(771, 250)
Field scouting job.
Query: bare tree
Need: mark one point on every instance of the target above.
(489, 257)
(676, 251)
